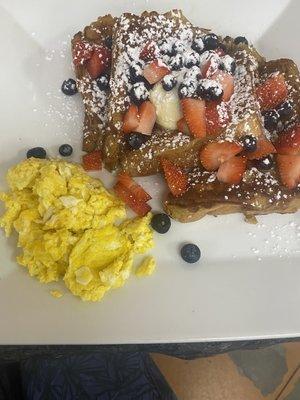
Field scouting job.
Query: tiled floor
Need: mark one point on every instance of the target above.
(268, 374)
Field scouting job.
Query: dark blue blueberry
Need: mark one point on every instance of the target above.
(169, 82)
(191, 59)
(271, 120)
(211, 41)
(161, 223)
(65, 150)
(285, 109)
(190, 253)
(264, 164)
(249, 143)
(209, 90)
(228, 64)
(37, 152)
(135, 140)
(167, 48)
(103, 82)
(176, 62)
(69, 87)
(139, 93)
(178, 47)
(241, 39)
(198, 45)
(108, 42)
(136, 72)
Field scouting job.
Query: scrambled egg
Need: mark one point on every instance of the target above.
(70, 227)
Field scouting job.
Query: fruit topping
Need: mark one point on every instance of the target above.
(289, 170)
(140, 207)
(161, 223)
(285, 109)
(139, 93)
(155, 71)
(209, 62)
(92, 161)
(214, 154)
(228, 64)
(179, 46)
(169, 82)
(194, 114)
(103, 82)
(167, 48)
(232, 170)
(182, 126)
(176, 179)
(131, 119)
(82, 51)
(221, 50)
(36, 152)
(191, 59)
(271, 120)
(176, 62)
(209, 90)
(241, 40)
(190, 253)
(198, 44)
(272, 92)
(147, 118)
(135, 140)
(187, 88)
(108, 42)
(69, 87)
(265, 163)
(249, 143)
(136, 72)
(148, 53)
(136, 189)
(99, 61)
(289, 142)
(226, 80)
(264, 148)
(65, 150)
(211, 41)
(217, 117)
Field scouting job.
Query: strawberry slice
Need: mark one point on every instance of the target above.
(214, 154)
(141, 208)
(227, 82)
(81, 52)
(232, 170)
(99, 62)
(148, 53)
(194, 114)
(176, 179)
(147, 114)
(92, 161)
(136, 190)
(272, 92)
(264, 148)
(131, 119)
(289, 170)
(217, 117)
(182, 126)
(210, 66)
(155, 71)
(289, 142)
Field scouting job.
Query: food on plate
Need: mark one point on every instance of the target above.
(146, 268)
(69, 87)
(36, 152)
(56, 294)
(161, 223)
(190, 253)
(65, 150)
(71, 228)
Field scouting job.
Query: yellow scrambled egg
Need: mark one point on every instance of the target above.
(70, 227)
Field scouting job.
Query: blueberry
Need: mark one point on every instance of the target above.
(139, 93)
(161, 223)
(36, 152)
(211, 41)
(271, 120)
(135, 140)
(103, 82)
(209, 90)
(176, 62)
(69, 87)
(108, 42)
(285, 109)
(228, 64)
(136, 72)
(169, 82)
(264, 164)
(198, 45)
(241, 39)
(191, 59)
(167, 48)
(249, 143)
(179, 47)
(65, 150)
(190, 253)
(187, 89)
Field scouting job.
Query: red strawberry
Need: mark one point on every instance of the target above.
(289, 142)
(99, 61)
(217, 117)
(176, 179)
(289, 170)
(264, 148)
(131, 119)
(194, 114)
(210, 66)
(137, 191)
(227, 82)
(182, 126)
(232, 170)
(147, 118)
(81, 52)
(149, 52)
(214, 154)
(272, 92)
(141, 208)
(92, 161)
(155, 71)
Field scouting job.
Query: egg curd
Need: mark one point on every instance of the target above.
(70, 227)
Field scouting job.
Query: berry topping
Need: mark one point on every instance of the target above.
(167, 48)
(92, 161)
(214, 154)
(209, 90)
(103, 82)
(198, 45)
(37, 152)
(191, 59)
(190, 253)
(265, 163)
(272, 92)
(217, 117)
(135, 140)
(241, 40)
(176, 179)
(179, 46)
(188, 88)
(161, 223)
(69, 87)
(108, 42)
(289, 170)
(289, 142)
(130, 196)
(65, 150)
(209, 62)
(249, 143)
(232, 170)
(194, 115)
(149, 52)
(139, 93)
(155, 71)
(176, 62)
(82, 51)
(285, 109)
(221, 50)
(169, 82)
(136, 189)
(147, 114)
(99, 62)
(264, 148)
(227, 82)
(228, 64)
(182, 126)
(211, 41)
(136, 72)
(271, 120)
(131, 119)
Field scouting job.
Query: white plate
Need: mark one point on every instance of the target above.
(247, 283)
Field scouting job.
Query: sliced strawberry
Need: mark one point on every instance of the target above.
(217, 117)
(182, 126)
(264, 148)
(155, 71)
(289, 170)
(131, 119)
(92, 161)
(81, 52)
(232, 170)
(227, 82)
(272, 92)
(99, 62)
(214, 154)
(194, 114)
(289, 142)
(176, 179)
(149, 52)
(141, 208)
(147, 114)
(137, 191)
